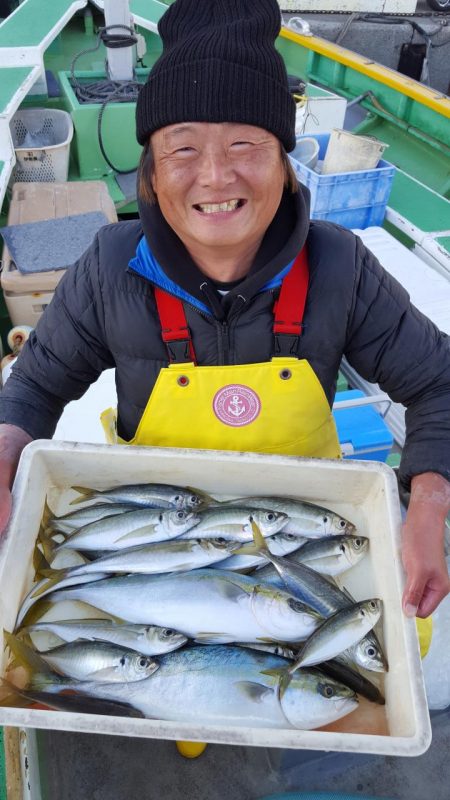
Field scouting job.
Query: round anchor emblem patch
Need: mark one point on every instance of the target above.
(236, 405)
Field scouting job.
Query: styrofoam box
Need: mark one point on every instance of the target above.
(365, 492)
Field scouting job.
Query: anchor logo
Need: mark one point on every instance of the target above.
(236, 405)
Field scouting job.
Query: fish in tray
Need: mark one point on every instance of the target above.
(150, 495)
(71, 522)
(305, 519)
(150, 640)
(331, 555)
(213, 606)
(236, 523)
(138, 527)
(85, 661)
(220, 685)
(326, 598)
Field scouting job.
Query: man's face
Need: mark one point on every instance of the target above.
(218, 185)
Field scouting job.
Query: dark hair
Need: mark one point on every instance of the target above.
(146, 167)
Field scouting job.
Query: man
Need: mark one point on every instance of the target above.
(225, 279)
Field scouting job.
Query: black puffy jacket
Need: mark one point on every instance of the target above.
(103, 315)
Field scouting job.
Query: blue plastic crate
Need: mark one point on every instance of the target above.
(362, 431)
(352, 199)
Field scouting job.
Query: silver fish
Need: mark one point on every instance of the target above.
(150, 640)
(340, 631)
(99, 661)
(228, 686)
(331, 555)
(235, 523)
(150, 495)
(324, 597)
(305, 519)
(142, 526)
(211, 605)
(161, 557)
(68, 523)
(267, 647)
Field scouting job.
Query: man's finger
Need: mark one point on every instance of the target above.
(412, 597)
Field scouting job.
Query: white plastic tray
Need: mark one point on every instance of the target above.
(365, 492)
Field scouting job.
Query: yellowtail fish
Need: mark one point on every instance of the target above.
(226, 686)
(214, 606)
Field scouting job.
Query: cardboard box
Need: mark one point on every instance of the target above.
(364, 492)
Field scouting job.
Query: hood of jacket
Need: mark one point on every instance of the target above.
(163, 259)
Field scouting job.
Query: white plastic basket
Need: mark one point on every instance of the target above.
(41, 139)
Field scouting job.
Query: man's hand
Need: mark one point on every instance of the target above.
(12, 442)
(427, 580)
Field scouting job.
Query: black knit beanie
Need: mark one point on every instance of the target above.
(219, 64)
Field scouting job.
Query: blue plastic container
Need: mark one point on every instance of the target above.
(362, 431)
(352, 199)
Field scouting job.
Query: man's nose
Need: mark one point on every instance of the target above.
(216, 169)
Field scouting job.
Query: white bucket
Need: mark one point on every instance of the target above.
(347, 152)
(306, 151)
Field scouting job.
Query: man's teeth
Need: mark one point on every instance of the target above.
(214, 208)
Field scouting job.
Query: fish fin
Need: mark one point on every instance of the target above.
(284, 675)
(131, 534)
(103, 674)
(56, 576)
(206, 637)
(86, 494)
(256, 692)
(25, 655)
(275, 671)
(258, 547)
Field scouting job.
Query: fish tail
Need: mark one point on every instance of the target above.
(44, 538)
(86, 494)
(56, 576)
(34, 613)
(40, 563)
(25, 656)
(47, 515)
(284, 675)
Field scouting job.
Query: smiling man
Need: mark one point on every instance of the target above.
(225, 278)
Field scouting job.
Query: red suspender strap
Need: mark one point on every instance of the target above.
(175, 332)
(288, 310)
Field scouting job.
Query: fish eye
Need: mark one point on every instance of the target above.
(327, 691)
(290, 537)
(181, 514)
(168, 632)
(371, 652)
(221, 540)
(342, 523)
(177, 498)
(143, 662)
(357, 542)
(373, 604)
(270, 516)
